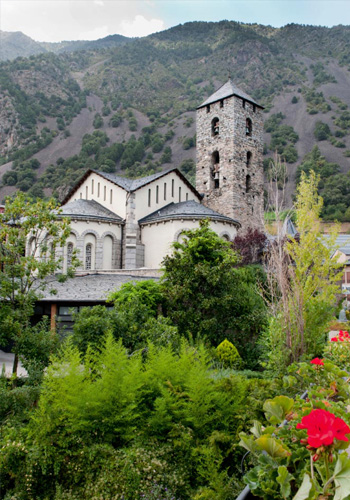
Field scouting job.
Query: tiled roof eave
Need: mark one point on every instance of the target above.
(92, 218)
(206, 103)
(165, 218)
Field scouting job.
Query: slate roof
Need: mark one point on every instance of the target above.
(87, 288)
(89, 209)
(227, 90)
(130, 185)
(185, 210)
(342, 242)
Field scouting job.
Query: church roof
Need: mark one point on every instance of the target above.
(227, 90)
(186, 210)
(87, 288)
(89, 209)
(130, 185)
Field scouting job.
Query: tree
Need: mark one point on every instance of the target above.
(30, 233)
(250, 246)
(208, 296)
(305, 280)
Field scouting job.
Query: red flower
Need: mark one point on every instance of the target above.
(317, 361)
(334, 339)
(323, 427)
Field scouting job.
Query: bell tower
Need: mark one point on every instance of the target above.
(229, 171)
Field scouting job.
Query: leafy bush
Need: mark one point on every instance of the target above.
(321, 131)
(228, 355)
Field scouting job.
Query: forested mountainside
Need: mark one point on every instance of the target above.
(130, 107)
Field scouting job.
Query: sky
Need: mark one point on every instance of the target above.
(57, 20)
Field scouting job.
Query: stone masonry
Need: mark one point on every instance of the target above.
(229, 170)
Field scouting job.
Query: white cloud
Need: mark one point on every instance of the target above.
(140, 26)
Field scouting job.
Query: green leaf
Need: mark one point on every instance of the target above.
(272, 447)
(284, 479)
(305, 489)
(276, 409)
(256, 430)
(342, 477)
(248, 443)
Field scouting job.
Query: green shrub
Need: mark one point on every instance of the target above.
(228, 355)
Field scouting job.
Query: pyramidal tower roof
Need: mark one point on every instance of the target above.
(227, 90)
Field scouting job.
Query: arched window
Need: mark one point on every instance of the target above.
(215, 128)
(249, 157)
(248, 184)
(248, 126)
(69, 254)
(88, 256)
(215, 168)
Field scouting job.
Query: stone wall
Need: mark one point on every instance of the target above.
(235, 186)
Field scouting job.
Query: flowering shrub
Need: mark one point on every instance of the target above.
(304, 459)
(338, 349)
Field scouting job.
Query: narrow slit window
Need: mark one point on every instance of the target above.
(221, 103)
(98, 190)
(243, 103)
(149, 197)
(69, 254)
(172, 188)
(81, 195)
(179, 194)
(249, 157)
(186, 196)
(88, 256)
(248, 184)
(86, 192)
(164, 191)
(92, 186)
(248, 126)
(104, 193)
(208, 108)
(157, 194)
(111, 196)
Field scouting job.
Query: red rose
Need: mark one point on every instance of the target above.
(323, 427)
(317, 361)
(334, 339)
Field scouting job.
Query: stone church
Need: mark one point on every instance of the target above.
(119, 223)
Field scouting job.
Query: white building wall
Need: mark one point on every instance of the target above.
(99, 189)
(142, 206)
(157, 238)
(84, 232)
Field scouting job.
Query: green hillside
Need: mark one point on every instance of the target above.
(141, 98)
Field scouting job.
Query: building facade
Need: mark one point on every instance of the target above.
(229, 170)
(119, 223)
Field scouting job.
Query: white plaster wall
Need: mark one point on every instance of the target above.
(107, 252)
(81, 226)
(158, 238)
(141, 199)
(118, 198)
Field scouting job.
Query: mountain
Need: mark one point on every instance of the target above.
(17, 44)
(131, 106)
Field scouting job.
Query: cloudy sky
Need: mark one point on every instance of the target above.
(57, 20)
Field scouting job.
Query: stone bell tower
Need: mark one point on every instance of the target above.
(229, 171)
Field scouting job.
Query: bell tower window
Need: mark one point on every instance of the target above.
(249, 157)
(215, 126)
(248, 127)
(248, 184)
(208, 108)
(215, 169)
